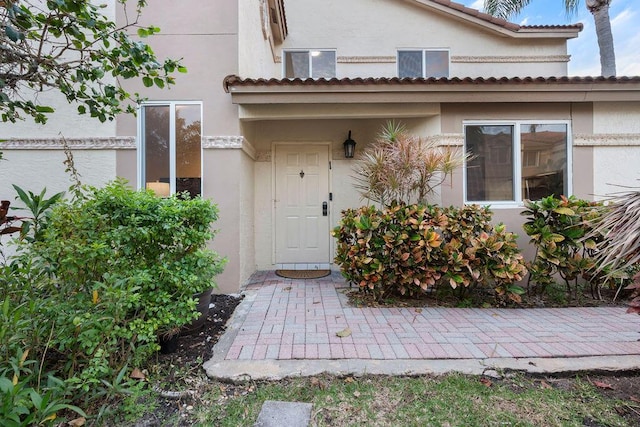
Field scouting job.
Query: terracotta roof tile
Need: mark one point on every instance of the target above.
(499, 21)
(236, 81)
(577, 26)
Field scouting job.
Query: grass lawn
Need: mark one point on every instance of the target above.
(450, 400)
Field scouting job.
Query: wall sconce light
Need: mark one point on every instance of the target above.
(349, 147)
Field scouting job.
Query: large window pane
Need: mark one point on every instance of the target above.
(171, 154)
(436, 63)
(296, 64)
(310, 63)
(409, 63)
(490, 171)
(544, 160)
(188, 137)
(323, 64)
(156, 149)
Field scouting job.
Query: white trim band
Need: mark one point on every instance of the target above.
(57, 143)
(607, 140)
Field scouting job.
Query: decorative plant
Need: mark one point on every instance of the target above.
(116, 269)
(557, 227)
(403, 168)
(410, 249)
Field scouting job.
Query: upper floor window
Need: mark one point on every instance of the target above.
(169, 154)
(310, 63)
(423, 63)
(513, 161)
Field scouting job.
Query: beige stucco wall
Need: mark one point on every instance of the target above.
(221, 184)
(255, 53)
(378, 28)
(247, 259)
(205, 36)
(37, 169)
(617, 146)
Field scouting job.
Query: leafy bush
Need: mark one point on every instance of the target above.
(408, 249)
(113, 270)
(558, 228)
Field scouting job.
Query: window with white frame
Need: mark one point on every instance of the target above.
(423, 63)
(516, 160)
(313, 63)
(169, 154)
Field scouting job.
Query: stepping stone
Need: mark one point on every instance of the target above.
(281, 414)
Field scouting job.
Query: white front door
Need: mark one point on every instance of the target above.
(302, 186)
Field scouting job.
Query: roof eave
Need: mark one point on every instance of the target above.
(498, 25)
(566, 89)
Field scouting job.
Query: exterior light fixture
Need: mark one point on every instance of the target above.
(349, 147)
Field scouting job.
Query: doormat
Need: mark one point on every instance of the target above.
(303, 274)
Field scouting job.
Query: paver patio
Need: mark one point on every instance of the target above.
(298, 319)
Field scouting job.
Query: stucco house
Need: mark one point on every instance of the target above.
(275, 86)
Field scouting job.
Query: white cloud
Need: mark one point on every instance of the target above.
(478, 4)
(525, 21)
(622, 18)
(627, 55)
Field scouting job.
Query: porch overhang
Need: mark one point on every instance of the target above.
(394, 97)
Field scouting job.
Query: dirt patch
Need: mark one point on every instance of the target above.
(181, 381)
(486, 298)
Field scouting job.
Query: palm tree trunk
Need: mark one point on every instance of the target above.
(600, 11)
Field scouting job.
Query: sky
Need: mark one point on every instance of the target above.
(585, 60)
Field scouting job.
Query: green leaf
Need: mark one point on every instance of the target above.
(564, 211)
(44, 109)
(147, 81)
(159, 82)
(13, 34)
(182, 69)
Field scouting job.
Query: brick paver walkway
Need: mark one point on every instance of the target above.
(299, 319)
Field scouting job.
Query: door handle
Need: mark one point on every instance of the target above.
(324, 208)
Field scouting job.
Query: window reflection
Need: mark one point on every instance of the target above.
(544, 160)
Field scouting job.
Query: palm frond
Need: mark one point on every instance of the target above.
(620, 226)
(505, 9)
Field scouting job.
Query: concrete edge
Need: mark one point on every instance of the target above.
(232, 327)
(246, 370)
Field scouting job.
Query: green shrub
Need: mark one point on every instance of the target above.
(408, 249)
(115, 269)
(558, 229)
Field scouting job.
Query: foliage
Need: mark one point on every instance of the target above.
(619, 253)
(409, 249)
(112, 271)
(634, 304)
(557, 228)
(403, 168)
(23, 405)
(72, 47)
(38, 206)
(620, 225)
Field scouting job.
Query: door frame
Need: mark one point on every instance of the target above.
(274, 147)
